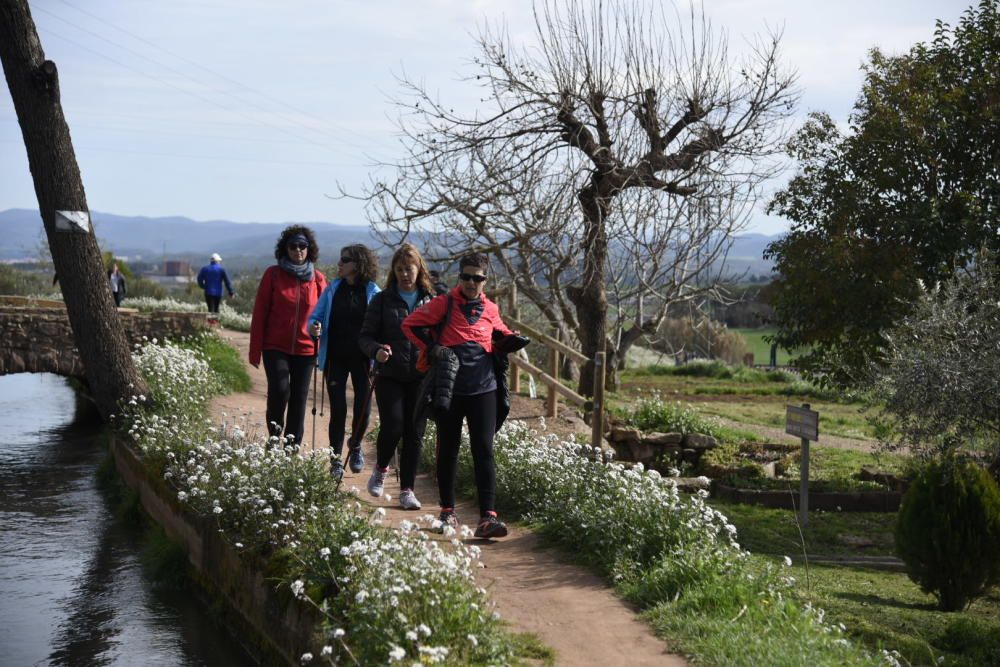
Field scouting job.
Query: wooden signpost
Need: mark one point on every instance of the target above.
(803, 422)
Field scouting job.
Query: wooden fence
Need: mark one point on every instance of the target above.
(557, 350)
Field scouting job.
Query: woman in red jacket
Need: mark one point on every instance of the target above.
(287, 293)
(468, 332)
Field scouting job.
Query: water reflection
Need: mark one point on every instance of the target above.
(72, 586)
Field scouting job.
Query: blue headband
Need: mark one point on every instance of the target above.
(298, 238)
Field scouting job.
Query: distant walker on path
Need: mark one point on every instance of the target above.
(117, 282)
(211, 278)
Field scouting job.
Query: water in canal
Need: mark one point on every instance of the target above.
(73, 590)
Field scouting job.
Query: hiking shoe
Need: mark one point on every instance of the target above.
(356, 460)
(376, 483)
(408, 500)
(490, 527)
(447, 519)
(337, 468)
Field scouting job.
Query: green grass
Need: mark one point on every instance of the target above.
(880, 608)
(836, 419)
(762, 349)
(718, 379)
(887, 610)
(775, 532)
(224, 359)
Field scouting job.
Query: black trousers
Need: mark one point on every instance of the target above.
(481, 413)
(213, 302)
(340, 365)
(288, 378)
(397, 401)
(119, 296)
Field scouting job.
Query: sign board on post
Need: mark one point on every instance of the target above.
(803, 422)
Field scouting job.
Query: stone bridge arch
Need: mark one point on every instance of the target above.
(35, 335)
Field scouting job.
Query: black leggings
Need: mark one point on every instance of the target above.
(481, 412)
(213, 302)
(288, 378)
(338, 367)
(396, 403)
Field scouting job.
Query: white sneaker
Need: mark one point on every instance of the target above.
(376, 483)
(408, 500)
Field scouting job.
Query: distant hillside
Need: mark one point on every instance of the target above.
(246, 244)
(21, 232)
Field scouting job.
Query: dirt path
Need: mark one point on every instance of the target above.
(569, 608)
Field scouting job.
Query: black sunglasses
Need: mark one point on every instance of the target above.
(475, 277)
(298, 246)
(346, 260)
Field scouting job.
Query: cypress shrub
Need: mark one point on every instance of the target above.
(948, 532)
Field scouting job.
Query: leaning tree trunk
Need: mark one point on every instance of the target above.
(97, 329)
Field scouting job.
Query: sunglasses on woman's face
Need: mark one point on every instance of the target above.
(298, 246)
(346, 260)
(475, 277)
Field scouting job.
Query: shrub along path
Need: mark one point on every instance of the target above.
(570, 609)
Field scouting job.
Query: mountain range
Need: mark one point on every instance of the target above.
(245, 244)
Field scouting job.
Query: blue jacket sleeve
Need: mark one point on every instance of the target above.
(225, 279)
(201, 278)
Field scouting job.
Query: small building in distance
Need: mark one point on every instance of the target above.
(174, 275)
(176, 267)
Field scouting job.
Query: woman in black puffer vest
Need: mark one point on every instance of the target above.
(408, 287)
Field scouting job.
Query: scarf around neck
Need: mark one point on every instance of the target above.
(303, 271)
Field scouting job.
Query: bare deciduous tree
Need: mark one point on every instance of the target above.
(615, 155)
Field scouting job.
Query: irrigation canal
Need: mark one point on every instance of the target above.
(73, 586)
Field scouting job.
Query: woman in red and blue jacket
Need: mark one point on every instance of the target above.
(287, 293)
(468, 332)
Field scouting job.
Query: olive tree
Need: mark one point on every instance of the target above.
(606, 169)
(939, 377)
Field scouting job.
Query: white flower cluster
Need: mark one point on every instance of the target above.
(421, 589)
(623, 513)
(181, 383)
(228, 317)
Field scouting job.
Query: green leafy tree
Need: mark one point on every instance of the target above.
(910, 191)
(938, 380)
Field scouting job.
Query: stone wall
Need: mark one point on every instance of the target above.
(38, 338)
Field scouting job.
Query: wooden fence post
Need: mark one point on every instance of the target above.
(552, 400)
(515, 372)
(597, 421)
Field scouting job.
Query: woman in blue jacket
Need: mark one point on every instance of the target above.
(337, 320)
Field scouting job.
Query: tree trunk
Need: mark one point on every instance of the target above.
(34, 88)
(591, 298)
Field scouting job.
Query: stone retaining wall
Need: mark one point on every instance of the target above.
(36, 339)
(275, 628)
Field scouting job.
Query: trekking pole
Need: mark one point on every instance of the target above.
(322, 395)
(314, 398)
(355, 439)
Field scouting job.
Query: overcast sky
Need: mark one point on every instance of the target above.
(252, 110)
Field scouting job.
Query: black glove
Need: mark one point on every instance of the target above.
(510, 344)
